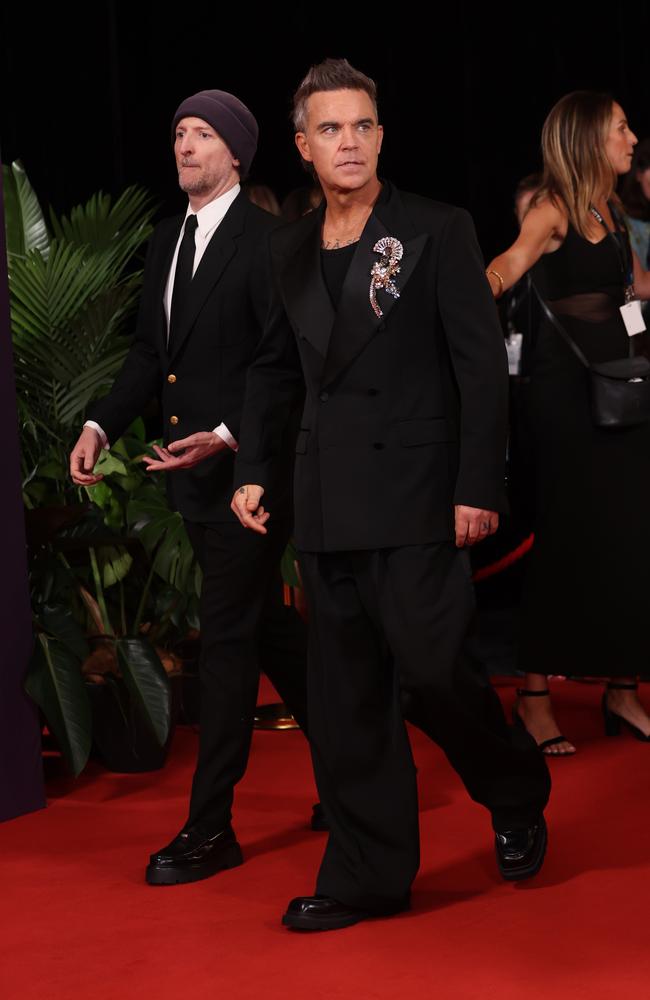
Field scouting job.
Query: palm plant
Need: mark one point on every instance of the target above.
(73, 290)
(72, 298)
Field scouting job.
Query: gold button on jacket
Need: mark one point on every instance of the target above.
(173, 420)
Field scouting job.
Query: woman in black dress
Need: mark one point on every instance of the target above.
(584, 603)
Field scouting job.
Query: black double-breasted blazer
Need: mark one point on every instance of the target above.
(405, 414)
(201, 383)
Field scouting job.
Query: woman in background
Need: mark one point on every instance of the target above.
(584, 602)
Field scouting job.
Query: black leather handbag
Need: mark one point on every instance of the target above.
(620, 392)
(619, 389)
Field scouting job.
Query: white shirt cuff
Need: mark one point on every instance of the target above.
(225, 435)
(102, 436)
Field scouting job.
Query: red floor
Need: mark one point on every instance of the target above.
(79, 922)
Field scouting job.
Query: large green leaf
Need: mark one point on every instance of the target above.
(163, 535)
(103, 495)
(13, 217)
(55, 683)
(89, 529)
(59, 622)
(108, 462)
(52, 468)
(100, 494)
(36, 236)
(114, 562)
(26, 228)
(147, 682)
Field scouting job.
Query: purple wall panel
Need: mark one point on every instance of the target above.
(21, 770)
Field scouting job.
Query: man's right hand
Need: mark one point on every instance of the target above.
(84, 456)
(246, 505)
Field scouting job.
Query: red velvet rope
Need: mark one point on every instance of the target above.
(501, 564)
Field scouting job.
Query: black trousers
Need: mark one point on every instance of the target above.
(245, 628)
(387, 625)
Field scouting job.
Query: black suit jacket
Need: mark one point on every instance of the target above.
(405, 415)
(202, 382)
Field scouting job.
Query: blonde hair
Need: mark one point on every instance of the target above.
(577, 171)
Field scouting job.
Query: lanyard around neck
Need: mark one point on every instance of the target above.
(623, 250)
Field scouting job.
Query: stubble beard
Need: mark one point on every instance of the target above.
(199, 184)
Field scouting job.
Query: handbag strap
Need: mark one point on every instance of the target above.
(621, 243)
(560, 329)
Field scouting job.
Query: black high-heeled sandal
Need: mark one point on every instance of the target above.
(545, 744)
(613, 721)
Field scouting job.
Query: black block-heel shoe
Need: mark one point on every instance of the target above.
(613, 721)
(545, 744)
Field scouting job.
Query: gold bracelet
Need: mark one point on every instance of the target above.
(496, 273)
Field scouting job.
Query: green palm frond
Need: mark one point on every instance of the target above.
(71, 312)
(89, 384)
(108, 317)
(99, 223)
(47, 293)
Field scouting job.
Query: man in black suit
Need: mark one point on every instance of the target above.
(383, 313)
(205, 295)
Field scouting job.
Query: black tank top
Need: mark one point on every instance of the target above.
(335, 264)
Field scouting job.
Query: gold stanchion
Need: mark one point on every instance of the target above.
(274, 716)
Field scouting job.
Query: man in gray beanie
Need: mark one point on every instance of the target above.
(205, 296)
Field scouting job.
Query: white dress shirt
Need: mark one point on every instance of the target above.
(208, 219)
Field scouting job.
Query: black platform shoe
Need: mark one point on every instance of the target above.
(322, 913)
(520, 852)
(194, 855)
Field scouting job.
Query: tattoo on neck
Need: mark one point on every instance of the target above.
(338, 244)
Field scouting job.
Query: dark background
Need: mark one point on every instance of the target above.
(89, 90)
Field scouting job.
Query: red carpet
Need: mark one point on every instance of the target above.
(79, 922)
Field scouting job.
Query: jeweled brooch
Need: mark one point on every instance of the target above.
(383, 271)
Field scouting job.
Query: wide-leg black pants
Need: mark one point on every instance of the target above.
(385, 625)
(245, 628)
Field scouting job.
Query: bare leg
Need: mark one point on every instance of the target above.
(536, 713)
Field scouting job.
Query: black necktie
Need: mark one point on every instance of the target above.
(182, 280)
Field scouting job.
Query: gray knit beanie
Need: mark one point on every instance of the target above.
(229, 117)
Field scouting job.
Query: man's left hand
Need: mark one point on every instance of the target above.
(186, 453)
(474, 524)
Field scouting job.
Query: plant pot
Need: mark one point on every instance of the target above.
(121, 739)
